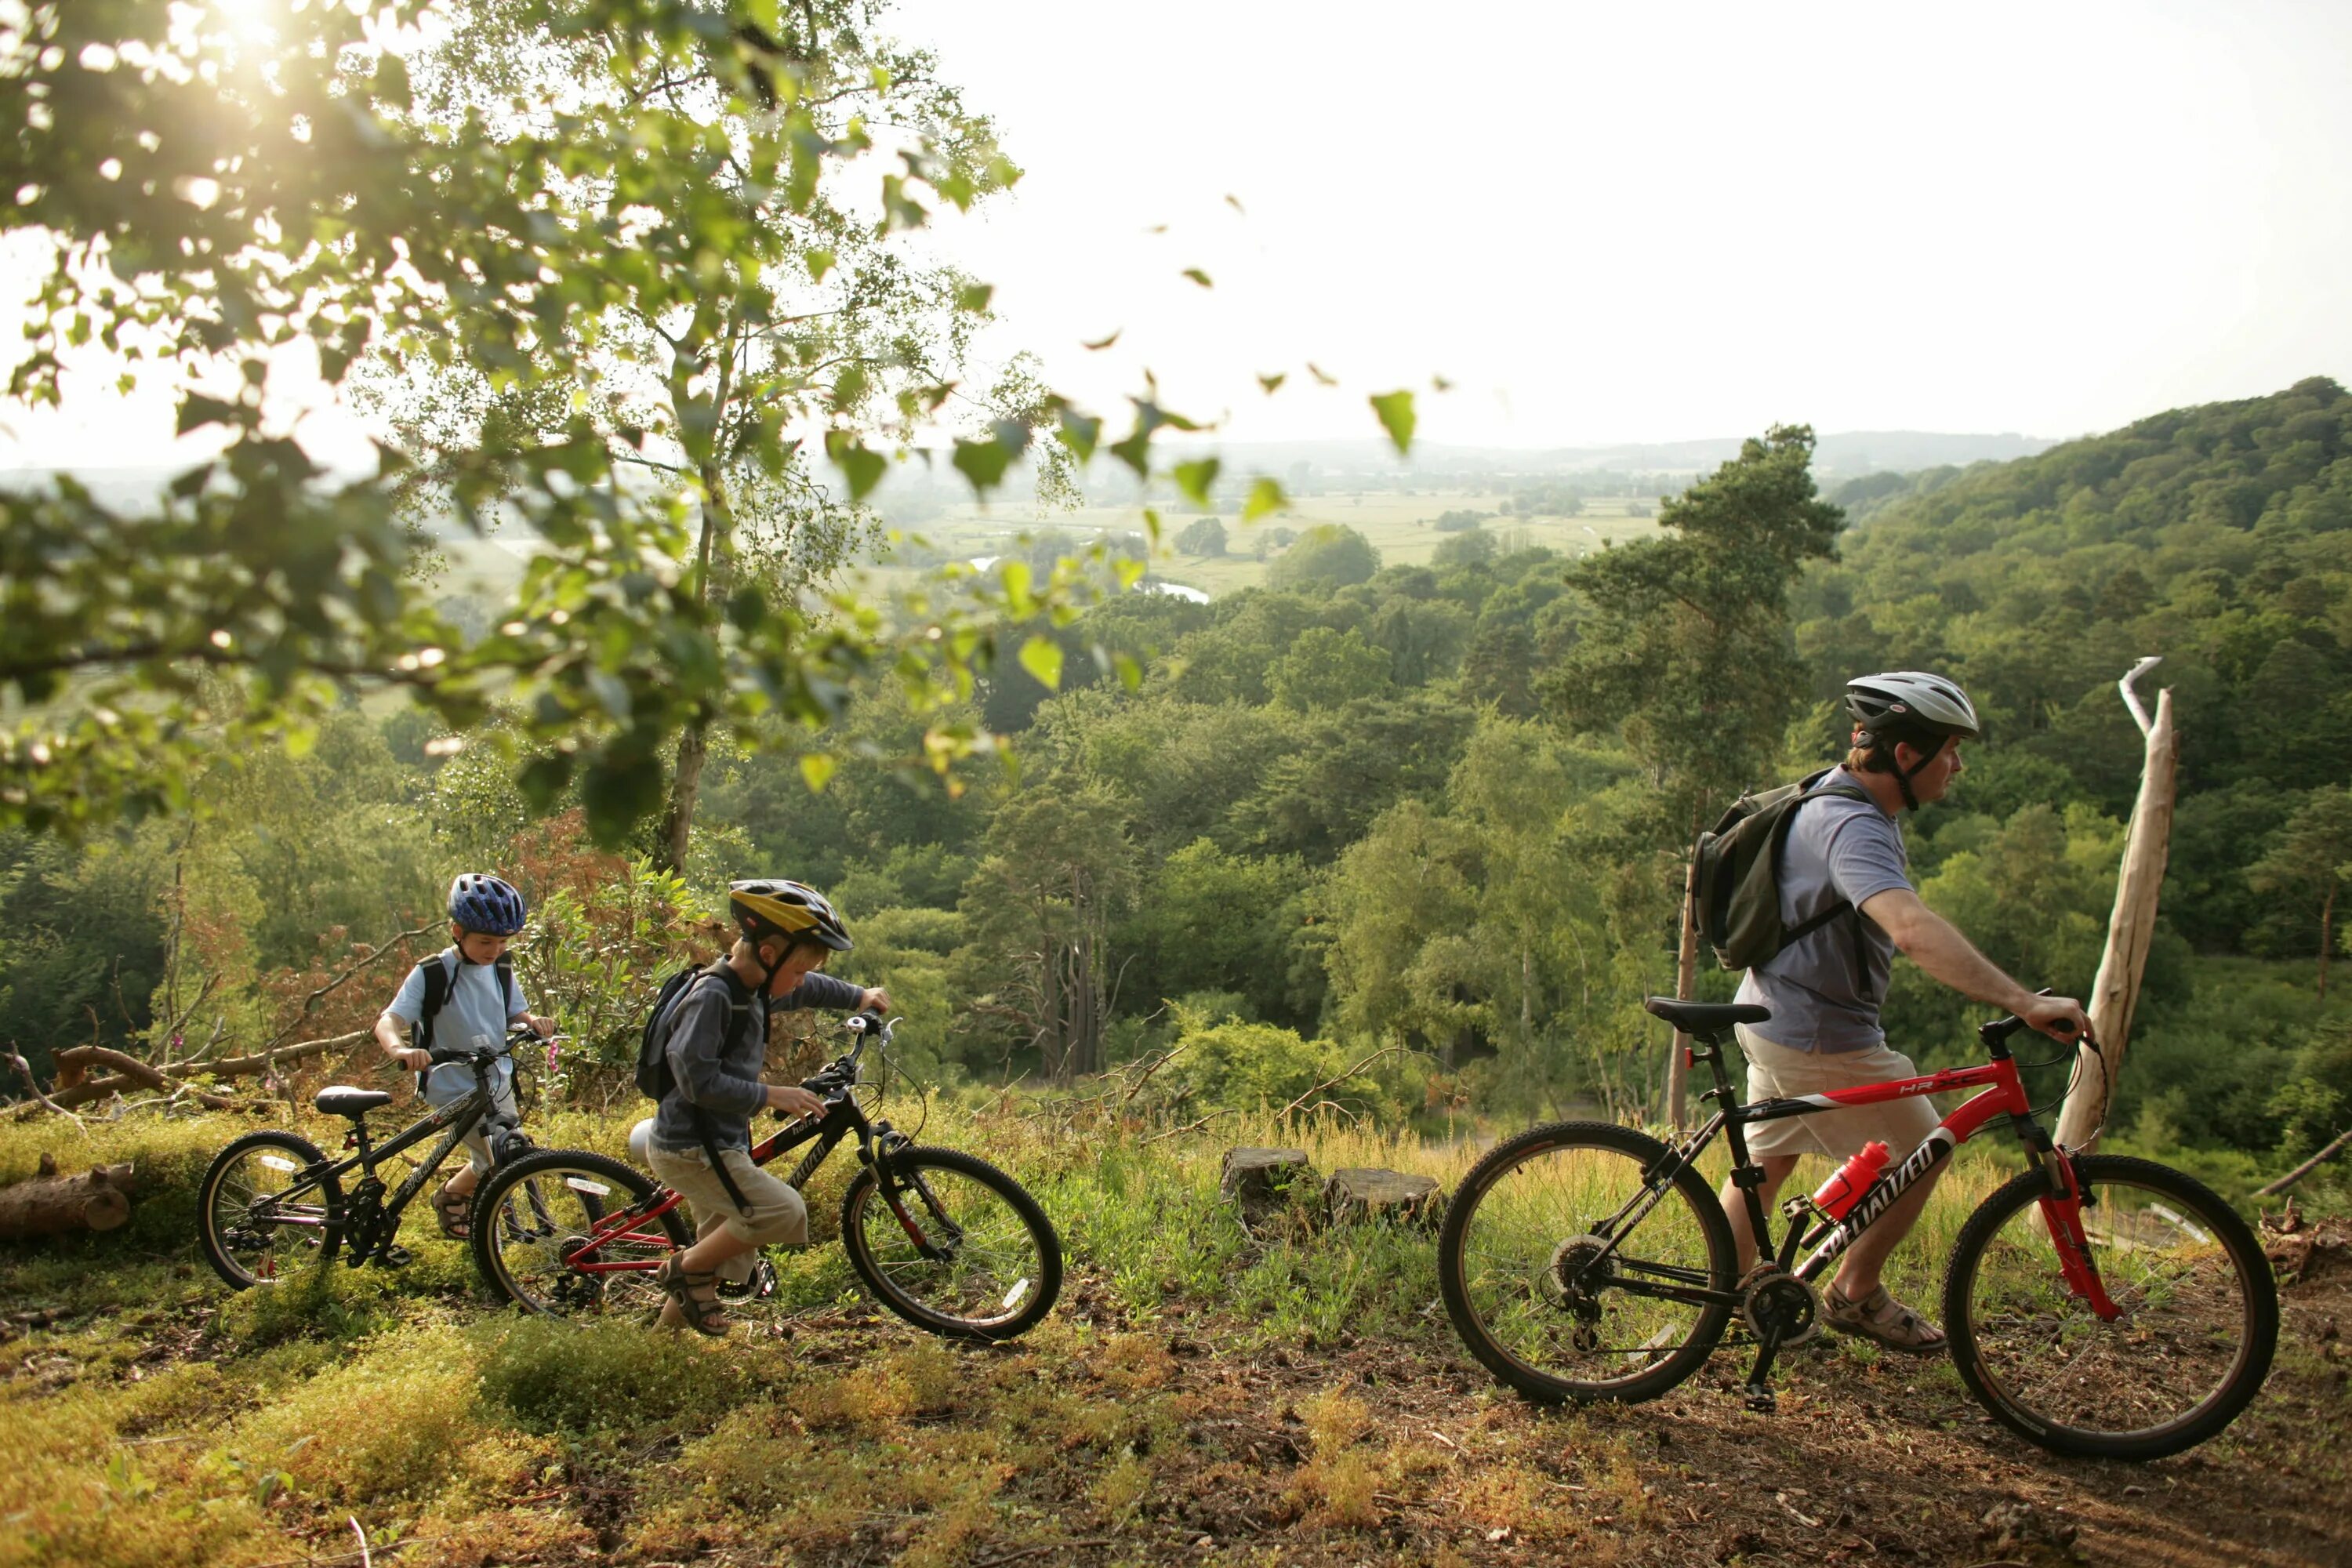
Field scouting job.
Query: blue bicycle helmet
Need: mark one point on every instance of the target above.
(487, 904)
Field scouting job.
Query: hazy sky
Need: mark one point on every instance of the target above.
(1614, 222)
(1646, 222)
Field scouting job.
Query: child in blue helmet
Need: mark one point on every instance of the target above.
(472, 1002)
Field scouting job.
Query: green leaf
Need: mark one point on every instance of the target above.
(817, 769)
(819, 263)
(1017, 598)
(861, 468)
(973, 298)
(197, 411)
(1101, 343)
(1197, 276)
(982, 462)
(1265, 496)
(1079, 432)
(1196, 477)
(1396, 416)
(1273, 384)
(543, 780)
(1042, 656)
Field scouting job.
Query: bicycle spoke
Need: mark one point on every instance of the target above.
(989, 1264)
(2176, 1345)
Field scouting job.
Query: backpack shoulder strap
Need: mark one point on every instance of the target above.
(504, 969)
(437, 980)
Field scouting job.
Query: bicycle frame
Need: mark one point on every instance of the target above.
(842, 1116)
(2003, 1098)
(459, 1117)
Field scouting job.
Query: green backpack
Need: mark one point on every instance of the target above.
(1734, 884)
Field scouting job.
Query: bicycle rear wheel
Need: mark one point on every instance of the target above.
(963, 1251)
(534, 1213)
(260, 1219)
(2194, 1343)
(1567, 1269)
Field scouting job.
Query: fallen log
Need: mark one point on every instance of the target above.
(2273, 1189)
(51, 1205)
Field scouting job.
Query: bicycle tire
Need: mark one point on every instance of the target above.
(1030, 1297)
(215, 1230)
(1529, 1379)
(549, 1179)
(2197, 1205)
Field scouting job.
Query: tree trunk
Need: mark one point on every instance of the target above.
(2115, 993)
(685, 788)
(53, 1206)
(2327, 934)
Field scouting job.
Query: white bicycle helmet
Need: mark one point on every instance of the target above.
(1910, 705)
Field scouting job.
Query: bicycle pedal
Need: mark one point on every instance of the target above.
(393, 1258)
(1761, 1400)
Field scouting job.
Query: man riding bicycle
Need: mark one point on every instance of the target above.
(1825, 988)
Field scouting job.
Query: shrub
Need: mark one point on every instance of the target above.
(558, 1377)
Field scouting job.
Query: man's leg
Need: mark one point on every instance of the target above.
(1776, 1169)
(1857, 1275)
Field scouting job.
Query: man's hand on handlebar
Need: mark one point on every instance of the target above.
(2060, 1017)
(792, 1100)
(414, 1058)
(877, 1001)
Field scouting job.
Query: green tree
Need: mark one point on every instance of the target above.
(1325, 669)
(1205, 536)
(1207, 921)
(1688, 652)
(1058, 872)
(2308, 864)
(1327, 557)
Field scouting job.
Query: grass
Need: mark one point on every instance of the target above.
(1294, 1395)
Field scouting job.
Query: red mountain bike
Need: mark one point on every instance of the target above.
(946, 1241)
(2096, 1304)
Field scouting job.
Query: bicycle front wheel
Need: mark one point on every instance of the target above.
(261, 1218)
(960, 1249)
(1573, 1273)
(566, 1233)
(2197, 1325)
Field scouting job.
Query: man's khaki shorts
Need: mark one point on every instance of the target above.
(1776, 1072)
(777, 1218)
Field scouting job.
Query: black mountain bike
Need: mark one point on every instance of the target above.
(272, 1205)
(2095, 1305)
(946, 1241)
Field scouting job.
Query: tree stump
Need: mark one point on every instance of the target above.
(1259, 1181)
(51, 1205)
(1357, 1194)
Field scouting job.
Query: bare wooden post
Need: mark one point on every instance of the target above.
(1686, 982)
(2116, 992)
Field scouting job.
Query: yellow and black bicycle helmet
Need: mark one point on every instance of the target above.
(767, 906)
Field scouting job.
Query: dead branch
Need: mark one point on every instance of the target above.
(312, 1000)
(132, 1068)
(1327, 1083)
(1188, 1127)
(25, 1068)
(2292, 1177)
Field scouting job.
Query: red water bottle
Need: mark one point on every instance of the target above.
(1854, 1178)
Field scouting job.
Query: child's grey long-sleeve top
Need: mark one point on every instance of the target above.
(724, 1084)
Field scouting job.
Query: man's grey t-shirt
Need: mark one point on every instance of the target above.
(1837, 848)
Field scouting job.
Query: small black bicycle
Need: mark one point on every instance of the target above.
(946, 1241)
(273, 1205)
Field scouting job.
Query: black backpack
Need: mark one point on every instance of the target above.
(1734, 883)
(655, 1078)
(437, 983)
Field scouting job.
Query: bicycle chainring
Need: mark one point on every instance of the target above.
(1777, 1298)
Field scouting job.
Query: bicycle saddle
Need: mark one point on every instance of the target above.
(339, 1099)
(1706, 1017)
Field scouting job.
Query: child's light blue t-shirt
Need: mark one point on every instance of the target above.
(473, 1012)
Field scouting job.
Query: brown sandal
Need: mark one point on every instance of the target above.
(703, 1314)
(456, 1213)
